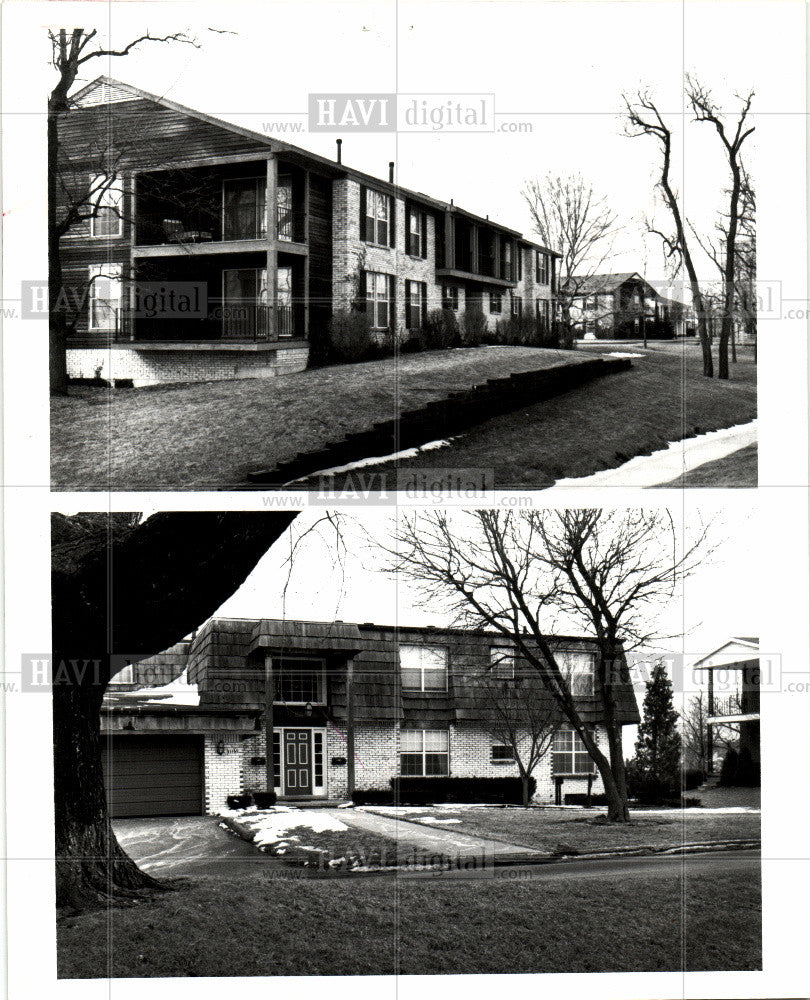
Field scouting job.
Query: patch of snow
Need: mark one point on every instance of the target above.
(273, 828)
(669, 463)
(377, 460)
(624, 354)
(432, 819)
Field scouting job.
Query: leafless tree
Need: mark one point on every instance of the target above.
(516, 573)
(694, 733)
(732, 138)
(643, 118)
(517, 712)
(570, 217)
(72, 203)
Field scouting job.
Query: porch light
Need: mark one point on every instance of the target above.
(221, 747)
(308, 709)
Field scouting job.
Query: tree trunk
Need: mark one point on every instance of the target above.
(57, 326)
(703, 330)
(91, 867)
(526, 796)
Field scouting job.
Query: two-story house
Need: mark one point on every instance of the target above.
(208, 251)
(618, 307)
(344, 706)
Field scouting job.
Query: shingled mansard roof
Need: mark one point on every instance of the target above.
(106, 91)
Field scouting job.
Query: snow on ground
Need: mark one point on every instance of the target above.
(397, 456)
(623, 354)
(433, 819)
(274, 826)
(678, 457)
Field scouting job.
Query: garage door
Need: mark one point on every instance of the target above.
(154, 775)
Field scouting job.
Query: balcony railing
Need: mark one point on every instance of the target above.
(240, 322)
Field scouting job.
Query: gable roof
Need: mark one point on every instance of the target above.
(596, 284)
(105, 89)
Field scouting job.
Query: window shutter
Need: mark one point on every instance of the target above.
(424, 236)
(392, 312)
(408, 236)
(362, 298)
(423, 287)
(363, 200)
(392, 221)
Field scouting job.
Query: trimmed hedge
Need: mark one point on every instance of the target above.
(239, 801)
(581, 799)
(373, 797)
(427, 791)
(263, 800)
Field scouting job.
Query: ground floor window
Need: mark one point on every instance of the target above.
(502, 754)
(569, 755)
(380, 299)
(544, 312)
(494, 302)
(450, 297)
(424, 752)
(415, 304)
(517, 305)
(105, 297)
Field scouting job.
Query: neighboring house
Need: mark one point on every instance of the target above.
(619, 307)
(263, 242)
(732, 683)
(354, 706)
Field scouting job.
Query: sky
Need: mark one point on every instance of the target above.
(559, 67)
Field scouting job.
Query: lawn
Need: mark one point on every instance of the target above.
(602, 425)
(262, 925)
(736, 470)
(553, 829)
(210, 435)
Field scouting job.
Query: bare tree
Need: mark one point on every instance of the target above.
(732, 138)
(570, 217)
(517, 712)
(694, 733)
(69, 205)
(122, 590)
(643, 118)
(515, 572)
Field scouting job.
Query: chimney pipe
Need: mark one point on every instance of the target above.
(339, 143)
(390, 171)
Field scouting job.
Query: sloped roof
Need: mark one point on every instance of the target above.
(596, 284)
(105, 89)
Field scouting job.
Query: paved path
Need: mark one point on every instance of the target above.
(187, 845)
(426, 838)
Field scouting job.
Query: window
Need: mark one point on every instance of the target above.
(424, 668)
(424, 752)
(578, 668)
(124, 676)
(379, 299)
(299, 682)
(284, 208)
(544, 312)
(495, 302)
(376, 217)
(568, 754)
(450, 297)
(517, 305)
(506, 260)
(105, 297)
(415, 304)
(502, 662)
(243, 208)
(542, 268)
(416, 233)
(317, 758)
(107, 206)
(502, 754)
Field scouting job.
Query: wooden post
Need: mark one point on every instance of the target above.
(269, 697)
(709, 736)
(306, 259)
(474, 262)
(496, 255)
(449, 240)
(271, 209)
(350, 727)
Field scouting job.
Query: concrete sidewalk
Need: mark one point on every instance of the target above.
(429, 838)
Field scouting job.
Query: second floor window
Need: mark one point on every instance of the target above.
(578, 668)
(300, 682)
(379, 299)
(107, 206)
(494, 302)
(542, 268)
(424, 752)
(423, 668)
(416, 233)
(506, 260)
(502, 662)
(415, 304)
(243, 208)
(568, 754)
(376, 217)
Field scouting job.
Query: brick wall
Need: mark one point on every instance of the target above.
(223, 772)
(145, 367)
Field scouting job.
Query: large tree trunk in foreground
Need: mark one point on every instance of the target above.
(124, 591)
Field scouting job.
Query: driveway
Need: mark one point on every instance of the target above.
(187, 845)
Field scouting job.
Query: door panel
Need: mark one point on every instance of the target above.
(297, 762)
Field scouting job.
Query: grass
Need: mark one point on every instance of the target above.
(210, 435)
(549, 829)
(263, 925)
(602, 425)
(736, 470)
